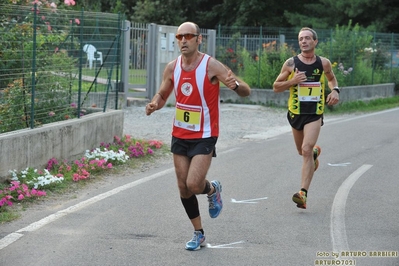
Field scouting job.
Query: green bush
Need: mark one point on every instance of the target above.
(261, 70)
(44, 96)
(356, 56)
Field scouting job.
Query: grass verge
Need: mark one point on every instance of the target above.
(374, 105)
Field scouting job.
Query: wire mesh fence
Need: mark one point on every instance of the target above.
(58, 64)
(51, 61)
(358, 57)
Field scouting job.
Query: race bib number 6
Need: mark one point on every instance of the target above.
(188, 117)
(309, 91)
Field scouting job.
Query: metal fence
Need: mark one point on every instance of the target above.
(258, 53)
(61, 64)
(52, 61)
(358, 57)
(148, 49)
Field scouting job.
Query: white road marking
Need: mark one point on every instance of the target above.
(338, 164)
(8, 239)
(225, 245)
(227, 151)
(248, 200)
(337, 226)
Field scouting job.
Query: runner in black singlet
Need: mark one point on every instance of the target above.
(306, 76)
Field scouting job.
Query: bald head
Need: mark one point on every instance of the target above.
(189, 27)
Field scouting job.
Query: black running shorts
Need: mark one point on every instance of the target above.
(299, 121)
(192, 147)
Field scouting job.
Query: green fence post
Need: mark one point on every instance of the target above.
(353, 59)
(373, 68)
(118, 50)
(32, 106)
(391, 48)
(80, 61)
(260, 55)
(70, 72)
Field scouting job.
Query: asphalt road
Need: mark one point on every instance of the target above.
(137, 219)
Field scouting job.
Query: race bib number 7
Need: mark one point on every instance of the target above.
(188, 117)
(309, 91)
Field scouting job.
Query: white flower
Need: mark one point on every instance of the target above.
(47, 179)
(370, 50)
(107, 155)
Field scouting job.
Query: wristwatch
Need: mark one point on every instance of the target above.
(237, 85)
(337, 89)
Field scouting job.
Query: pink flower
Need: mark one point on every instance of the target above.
(25, 188)
(69, 2)
(75, 177)
(37, 10)
(53, 5)
(15, 184)
(21, 197)
(41, 193)
(77, 21)
(51, 113)
(109, 165)
(84, 172)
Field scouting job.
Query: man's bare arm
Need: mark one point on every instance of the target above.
(223, 74)
(281, 83)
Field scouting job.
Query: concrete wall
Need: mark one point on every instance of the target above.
(369, 92)
(267, 96)
(270, 98)
(62, 140)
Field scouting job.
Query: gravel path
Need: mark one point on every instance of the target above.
(237, 123)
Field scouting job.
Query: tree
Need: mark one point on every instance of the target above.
(167, 12)
(374, 15)
(255, 13)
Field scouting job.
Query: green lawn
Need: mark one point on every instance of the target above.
(136, 76)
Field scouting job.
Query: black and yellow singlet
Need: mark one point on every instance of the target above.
(308, 97)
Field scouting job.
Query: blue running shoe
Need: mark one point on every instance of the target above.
(215, 200)
(197, 242)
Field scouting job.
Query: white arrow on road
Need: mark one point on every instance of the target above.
(248, 200)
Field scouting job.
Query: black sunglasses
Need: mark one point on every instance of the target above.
(187, 36)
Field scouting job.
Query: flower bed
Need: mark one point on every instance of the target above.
(32, 183)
